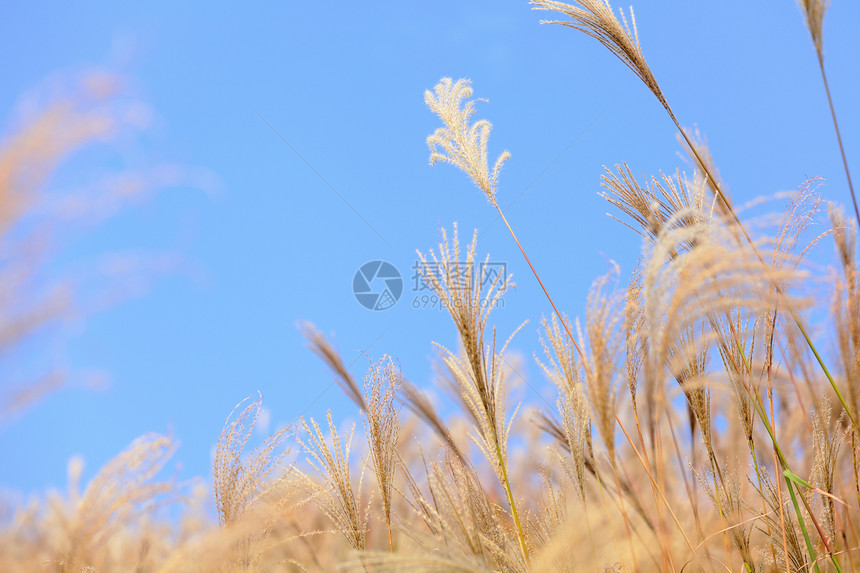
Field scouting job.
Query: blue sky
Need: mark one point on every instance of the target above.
(307, 120)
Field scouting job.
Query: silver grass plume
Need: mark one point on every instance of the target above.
(459, 142)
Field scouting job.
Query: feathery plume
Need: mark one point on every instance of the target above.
(595, 18)
(382, 427)
(320, 346)
(827, 439)
(634, 329)
(466, 148)
(478, 374)
(418, 402)
(576, 423)
(459, 142)
(119, 491)
(813, 11)
(239, 480)
(335, 496)
(657, 206)
(462, 519)
(603, 319)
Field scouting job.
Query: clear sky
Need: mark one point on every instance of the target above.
(308, 122)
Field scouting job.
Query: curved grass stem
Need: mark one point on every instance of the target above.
(540, 282)
(839, 138)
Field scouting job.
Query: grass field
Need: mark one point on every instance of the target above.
(699, 424)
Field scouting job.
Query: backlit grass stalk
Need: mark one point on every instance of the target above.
(464, 145)
(814, 11)
(595, 18)
(382, 427)
(477, 376)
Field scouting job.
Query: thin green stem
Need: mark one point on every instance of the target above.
(809, 547)
(826, 372)
(830, 549)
